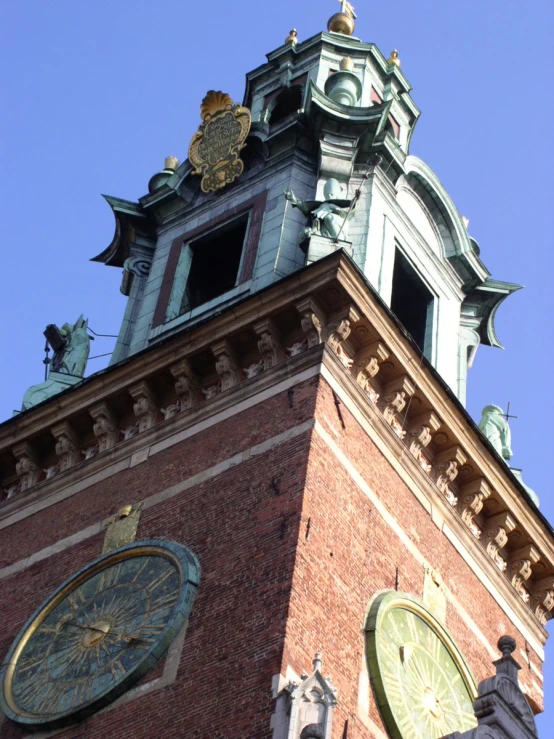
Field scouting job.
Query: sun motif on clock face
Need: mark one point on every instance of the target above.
(98, 634)
(423, 686)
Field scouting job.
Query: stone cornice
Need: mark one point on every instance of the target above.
(327, 303)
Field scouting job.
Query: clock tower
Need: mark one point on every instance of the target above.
(271, 516)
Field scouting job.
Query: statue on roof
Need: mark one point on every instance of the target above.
(71, 345)
(329, 216)
(496, 429)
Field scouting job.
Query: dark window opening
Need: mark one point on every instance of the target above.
(215, 263)
(288, 102)
(412, 301)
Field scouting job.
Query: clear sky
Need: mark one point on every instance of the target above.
(97, 92)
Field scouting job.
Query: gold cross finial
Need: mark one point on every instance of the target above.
(348, 8)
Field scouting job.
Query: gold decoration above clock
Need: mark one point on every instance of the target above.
(98, 634)
(214, 150)
(423, 685)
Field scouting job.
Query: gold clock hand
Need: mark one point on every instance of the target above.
(84, 628)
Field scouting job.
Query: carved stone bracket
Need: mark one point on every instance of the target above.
(520, 568)
(105, 426)
(67, 445)
(187, 384)
(27, 467)
(473, 496)
(337, 332)
(367, 364)
(421, 430)
(145, 408)
(395, 396)
(312, 321)
(542, 599)
(226, 364)
(269, 343)
(495, 537)
(447, 465)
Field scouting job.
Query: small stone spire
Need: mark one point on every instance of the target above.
(292, 38)
(317, 663)
(394, 59)
(507, 665)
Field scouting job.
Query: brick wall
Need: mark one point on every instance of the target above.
(270, 595)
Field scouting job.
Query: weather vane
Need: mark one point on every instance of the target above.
(348, 8)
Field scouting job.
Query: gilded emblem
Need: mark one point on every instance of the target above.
(215, 148)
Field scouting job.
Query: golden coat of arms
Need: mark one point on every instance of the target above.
(215, 147)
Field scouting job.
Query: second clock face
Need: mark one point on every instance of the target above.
(423, 687)
(99, 633)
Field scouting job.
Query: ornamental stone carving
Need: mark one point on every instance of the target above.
(420, 434)
(368, 362)
(542, 599)
(144, 408)
(105, 427)
(187, 384)
(67, 446)
(304, 709)
(520, 567)
(226, 364)
(473, 496)
(215, 148)
(447, 464)
(312, 321)
(395, 396)
(495, 537)
(269, 343)
(28, 468)
(501, 708)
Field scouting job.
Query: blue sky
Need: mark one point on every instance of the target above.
(97, 92)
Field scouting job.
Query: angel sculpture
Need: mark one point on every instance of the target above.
(329, 217)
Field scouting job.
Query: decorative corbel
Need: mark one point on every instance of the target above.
(67, 445)
(395, 396)
(187, 384)
(105, 426)
(473, 496)
(542, 599)
(28, 468)
(312, 321)
(337, 331)
(145, 407)
(269, 344)
(420, 432)
(520, 568)
(367, 363)
(226, 364)
(495, 537)
(447, 465)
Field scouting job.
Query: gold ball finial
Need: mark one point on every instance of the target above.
(347, 64)
(394, 58)
(292, 38)
(171, 162)
(125, 512)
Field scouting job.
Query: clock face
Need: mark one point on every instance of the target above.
(422, 683)
(98, 634)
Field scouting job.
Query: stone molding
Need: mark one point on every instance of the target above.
(327, 304)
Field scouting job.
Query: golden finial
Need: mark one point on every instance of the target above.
(394, 58)
(346, 64)
(292, 38)
(171, 162)
(343, 22)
